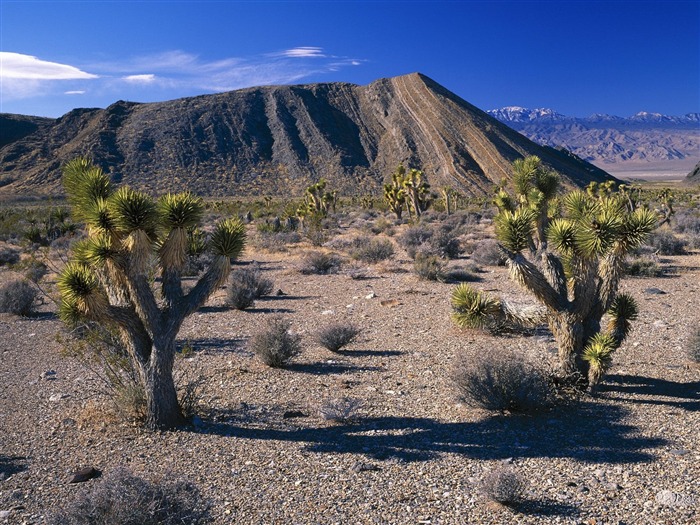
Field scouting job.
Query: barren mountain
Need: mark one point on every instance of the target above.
(694, 176)
(15, 127)
(278, 139)
(610, 141)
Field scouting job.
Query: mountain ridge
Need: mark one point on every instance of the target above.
(279, 139)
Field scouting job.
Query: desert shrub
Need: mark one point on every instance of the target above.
(383, 225)
(340, 410)
(693, 240)
(8, 256)
(502, 381)
(337, 335)
(429, 267)
(17, 297)
(319, 263)
(245, 285)
(504, 485)
(686, 222)
(488, 253)
(666, 243)
(461, 275)
(372, 250)
(643, 266)
(122, 498)
(275, 345)
(445, 244)
(277, 241)
(693, 346)
(413, 238)
(33, 270)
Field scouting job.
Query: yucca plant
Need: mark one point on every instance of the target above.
(131, 237)
(569, 254)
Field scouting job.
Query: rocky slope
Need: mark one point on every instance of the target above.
(608, 140)
(16, 127)
(278, 139)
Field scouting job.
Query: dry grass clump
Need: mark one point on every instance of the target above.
(643, 266)
(17, 297)
(245, 286)
(502, 381)
(665, 242)
(335, 336)
(275, 345)
(488, 253)
(371, 250)
(693, 346)
(429, 267)
(122, 498)
(8, 256)
(503, 485)
(319, 263)
(340, 410)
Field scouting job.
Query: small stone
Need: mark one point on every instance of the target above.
(327, 312)
(612, 487)
(364, 467)
(370, 295)
(571, 484)
(5, 514)
(674, 499)
(679, 452)
(660, 324)
(654, 291)
(85, 474)
(48, 375)
(57, 397)
(279, 292)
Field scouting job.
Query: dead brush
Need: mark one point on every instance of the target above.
(340, 410)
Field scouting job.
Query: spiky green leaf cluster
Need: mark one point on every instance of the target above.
(472, 308)
(599, 350)
(514, 229)
(133, 210)
(228, 238)
(181, 210)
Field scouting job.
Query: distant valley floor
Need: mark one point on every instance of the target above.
(660, 170)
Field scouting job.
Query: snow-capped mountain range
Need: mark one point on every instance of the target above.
(608, 140)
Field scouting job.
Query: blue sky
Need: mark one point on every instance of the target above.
(577, 57)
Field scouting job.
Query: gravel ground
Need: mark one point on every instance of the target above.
(262, 453)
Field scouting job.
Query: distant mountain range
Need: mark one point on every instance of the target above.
(610, 141)
(276, 140)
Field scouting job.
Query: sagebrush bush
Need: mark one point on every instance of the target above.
(666, 243)
(502, 381)
(340, 410)
(372, 250)
(245, 285)
(275, 345)
(488, 253)
(17, 297)
(643, 266)
(687, 222)
(122, 498)
(504, 485)
(693, 346)
(429, 267)
(319, 263)
(413, 238)
(277, 241)
(8, 256)
(337, 335)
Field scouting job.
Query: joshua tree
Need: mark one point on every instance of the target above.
(407, 188)
(130, 239)
(395, 194)
(448, 196)
(573, 267)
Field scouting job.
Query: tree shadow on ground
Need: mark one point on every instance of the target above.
(682, 395)
(591, 431)
(215, 344)
(369, 353)
(324, 368)
(10, 465)
(546, 507)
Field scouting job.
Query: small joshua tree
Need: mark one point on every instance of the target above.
(575, 259)
(130, 239)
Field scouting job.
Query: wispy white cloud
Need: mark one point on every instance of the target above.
(19, 66)
(140, 79)
(303, 52)
(171, 74)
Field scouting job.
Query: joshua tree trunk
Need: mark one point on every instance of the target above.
(568, 334)
(162, 406)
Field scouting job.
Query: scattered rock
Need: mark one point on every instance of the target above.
(370, 295)
(654, 291)
(279, 292)
(390, 302)
(48, 375)
(660, 324)
(57, 397)
(5, 514)
(364, 467)
(85, 474)
(679, 452)
(669, 498)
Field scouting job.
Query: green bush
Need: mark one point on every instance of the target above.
(429, 267)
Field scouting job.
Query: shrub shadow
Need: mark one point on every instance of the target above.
(10, 465)
(215, 344)
(323, 368)
(369, 353)
(591, 432)
(683, 395)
